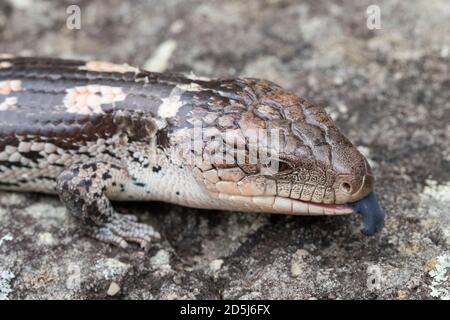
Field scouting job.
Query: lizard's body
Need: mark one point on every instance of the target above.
(46, 129)
(94, 132)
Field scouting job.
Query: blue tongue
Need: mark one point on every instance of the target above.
(372, 214)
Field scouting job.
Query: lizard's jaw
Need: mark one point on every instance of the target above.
(282, 205)
(372, 214)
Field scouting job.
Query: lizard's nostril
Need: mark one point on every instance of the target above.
(345, 186)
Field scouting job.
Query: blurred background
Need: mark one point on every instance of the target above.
(387, 86)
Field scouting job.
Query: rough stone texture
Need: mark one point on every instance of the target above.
(388, 89)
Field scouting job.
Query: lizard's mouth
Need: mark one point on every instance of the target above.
(368, 207)
(282, 205)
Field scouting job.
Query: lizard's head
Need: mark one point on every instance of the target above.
(281, 154)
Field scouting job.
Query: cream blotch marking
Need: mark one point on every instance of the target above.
(10, 103)
(193, 76)
(170, 105)
(103, 66)
(5, 64)
(89, 99)
(8, 86)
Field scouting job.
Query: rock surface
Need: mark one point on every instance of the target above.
(388, 89)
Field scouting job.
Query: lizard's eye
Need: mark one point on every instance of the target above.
(284, 167)
(278, 167)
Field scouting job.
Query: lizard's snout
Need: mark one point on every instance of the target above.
(351, 188)
(354, 178)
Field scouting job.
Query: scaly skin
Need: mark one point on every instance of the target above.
(94, 132)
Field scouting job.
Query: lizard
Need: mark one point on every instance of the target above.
(95, 132)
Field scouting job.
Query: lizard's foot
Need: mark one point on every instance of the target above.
(83, 190)
(123, 229)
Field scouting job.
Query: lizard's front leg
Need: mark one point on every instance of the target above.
(84, 189)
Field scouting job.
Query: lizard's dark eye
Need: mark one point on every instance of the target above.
(276, 167)
(284, 167)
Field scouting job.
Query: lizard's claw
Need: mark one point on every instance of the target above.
(123, 229)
